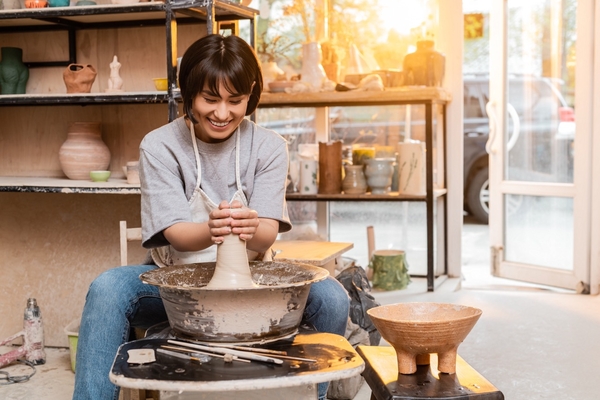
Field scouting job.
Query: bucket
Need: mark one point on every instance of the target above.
(72, 331)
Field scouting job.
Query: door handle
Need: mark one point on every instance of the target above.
(516, 127)
(490, 108)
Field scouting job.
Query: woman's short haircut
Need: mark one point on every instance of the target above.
(216, 59)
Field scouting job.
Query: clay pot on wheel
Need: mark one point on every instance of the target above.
(79, 78)
(83, 151)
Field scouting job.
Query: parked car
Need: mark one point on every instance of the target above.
(541, 133)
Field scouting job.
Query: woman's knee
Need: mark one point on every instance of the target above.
(114, 286)
(328, 306)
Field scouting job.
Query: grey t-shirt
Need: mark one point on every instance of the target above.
(168, 175)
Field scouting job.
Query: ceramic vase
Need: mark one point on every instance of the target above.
(13, 73)
(330, 167)
(36, 3)
(354, 180)
(425, 66)
(83, 151)
(270, 73)
(10, 4)
(308, 175)
(411, 168)
(79, 78)
(312, 71)
(379, 173)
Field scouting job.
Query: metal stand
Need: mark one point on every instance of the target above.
(381, 374)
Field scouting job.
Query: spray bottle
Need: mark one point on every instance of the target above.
(33, 338)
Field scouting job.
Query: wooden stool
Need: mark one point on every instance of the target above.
(381, 374)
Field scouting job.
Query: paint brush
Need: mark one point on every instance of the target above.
(221, 350)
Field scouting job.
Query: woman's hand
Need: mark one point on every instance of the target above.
(232, 218)
(244, 221)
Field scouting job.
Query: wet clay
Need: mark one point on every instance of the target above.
(232, 270)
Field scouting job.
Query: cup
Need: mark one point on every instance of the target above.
(133, 175)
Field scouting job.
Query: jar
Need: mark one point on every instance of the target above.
(354, 182)
(379, 172)
(83, 151)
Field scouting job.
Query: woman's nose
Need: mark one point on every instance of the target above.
(222, 110)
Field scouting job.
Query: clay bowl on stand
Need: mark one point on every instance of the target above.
(271, 311)
(417, 329)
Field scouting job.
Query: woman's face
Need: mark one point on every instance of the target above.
(218, 114)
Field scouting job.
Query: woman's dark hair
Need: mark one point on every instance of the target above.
(216, 59)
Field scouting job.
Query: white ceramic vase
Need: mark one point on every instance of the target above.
(312, 70)
(379, 172)
(411, 168)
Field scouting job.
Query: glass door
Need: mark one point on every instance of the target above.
(540, 61)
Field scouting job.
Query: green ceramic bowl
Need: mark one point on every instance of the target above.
(99, 176)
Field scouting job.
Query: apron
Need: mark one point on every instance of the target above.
(201, 206)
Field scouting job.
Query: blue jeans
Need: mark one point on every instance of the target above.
(118, 300)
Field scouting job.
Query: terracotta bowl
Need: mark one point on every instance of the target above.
(269, 312)
(417, 329)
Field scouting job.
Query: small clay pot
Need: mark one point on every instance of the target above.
(79, 78)
(36, 3)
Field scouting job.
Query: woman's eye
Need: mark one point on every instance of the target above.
(236, 102)
(210, 101)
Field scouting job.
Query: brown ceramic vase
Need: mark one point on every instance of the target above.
(79, 78)
(416, 330)
(83, 151)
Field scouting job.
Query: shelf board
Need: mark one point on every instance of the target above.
(394, 96)
(120, 186)
(88, 16)
(392, 196)
(83, 98)
(64, 185)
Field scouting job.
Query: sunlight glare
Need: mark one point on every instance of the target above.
(403, 15)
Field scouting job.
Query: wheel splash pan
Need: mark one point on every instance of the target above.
(269, 312)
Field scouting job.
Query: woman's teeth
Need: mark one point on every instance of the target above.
(219, 124)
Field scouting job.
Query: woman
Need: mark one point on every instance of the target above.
(204, 175)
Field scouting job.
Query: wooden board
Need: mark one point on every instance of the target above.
(310, 252)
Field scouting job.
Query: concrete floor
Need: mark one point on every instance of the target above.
(531, 342)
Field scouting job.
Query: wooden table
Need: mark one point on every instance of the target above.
(320, 254)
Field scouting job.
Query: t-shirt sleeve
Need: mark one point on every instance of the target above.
(164, 201)
(268, 195)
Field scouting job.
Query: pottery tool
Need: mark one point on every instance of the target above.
(140, 356)
(203, 353)
(253, 349)
(178, 355)
(221, 350)
(278, 355)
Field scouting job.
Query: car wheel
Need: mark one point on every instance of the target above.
(478, 195)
